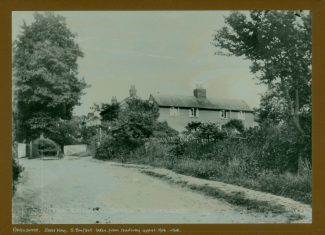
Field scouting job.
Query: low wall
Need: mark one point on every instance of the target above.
(21, 150)
(73, 150)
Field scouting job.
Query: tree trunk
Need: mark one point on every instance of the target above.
(294, 107)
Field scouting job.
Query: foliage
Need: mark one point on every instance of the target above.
(87, 133)
(192, 126)
(106, 149)
(45, 147)
(63, 132)
(235, 124)
(279, 45)
(16, 167)
(278, 148)
(109, 112)
(45, 73)
(209, 131)
(135, 123)
(161, 129)
(221, 161)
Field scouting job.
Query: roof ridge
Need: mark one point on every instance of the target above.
(191, 96)
(205, 103)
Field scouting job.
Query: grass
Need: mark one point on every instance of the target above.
(294, 186)
(230, 165)
(234, 198)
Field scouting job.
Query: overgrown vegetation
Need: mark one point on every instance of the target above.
(16, 167)
(262, 158)
(45, 78)
(222, 161)
(273, 157)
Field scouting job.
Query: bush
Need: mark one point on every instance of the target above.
(161, 129)
(235, 124)
(278, 148)
(295, 186)
(16, 168)
(106, 150)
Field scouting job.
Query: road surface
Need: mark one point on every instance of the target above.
(88, 191)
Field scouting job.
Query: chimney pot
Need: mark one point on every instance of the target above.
(200, 92)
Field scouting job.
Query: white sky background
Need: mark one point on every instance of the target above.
(157, 51)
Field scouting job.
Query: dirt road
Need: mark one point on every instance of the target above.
(88, 191)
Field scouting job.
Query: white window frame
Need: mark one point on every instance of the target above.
(173, 111)
(241, 115)
(226, 114)
(193, 112)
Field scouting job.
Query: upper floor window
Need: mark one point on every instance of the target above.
(225, 114)
(173, 111)
(193, 112)
(241, 115)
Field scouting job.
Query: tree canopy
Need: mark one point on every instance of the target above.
(278, 43)
(109, 112)
(45, 73)
(136, 121)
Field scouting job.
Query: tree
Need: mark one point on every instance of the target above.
(278, 43)
(45, 73)
(109, 112)
(136, 122)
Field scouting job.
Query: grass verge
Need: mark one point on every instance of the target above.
(234, 198)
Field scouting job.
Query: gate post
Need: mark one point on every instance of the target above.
(31, 149)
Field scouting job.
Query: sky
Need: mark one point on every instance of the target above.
(157, 51)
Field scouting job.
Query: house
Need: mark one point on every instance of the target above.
(92, 119)
(179, 110)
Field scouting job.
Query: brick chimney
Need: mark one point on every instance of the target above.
(200, 92)
(133, 91)
(114, 100)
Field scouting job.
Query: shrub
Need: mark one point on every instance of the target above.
(161, 129)
(193, 126)
(235, 124)
(210, 131)
(296, 186)
(178, 148)
(16, 168)
(106, 150)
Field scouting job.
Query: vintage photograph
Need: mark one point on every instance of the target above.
(162, 117)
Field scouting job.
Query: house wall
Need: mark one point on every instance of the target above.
(179, 122)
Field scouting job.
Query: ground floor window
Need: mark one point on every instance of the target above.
(225, 114)
(173, 111)
(193, 112)
(241, 115)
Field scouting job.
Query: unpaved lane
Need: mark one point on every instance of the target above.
(88, 191)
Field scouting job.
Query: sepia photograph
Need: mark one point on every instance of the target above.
(162, 117)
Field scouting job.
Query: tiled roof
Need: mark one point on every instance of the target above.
(203, 103)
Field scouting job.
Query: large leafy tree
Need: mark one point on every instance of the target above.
(109, 112)
(45, 75)
(278, 43)
(136, 122)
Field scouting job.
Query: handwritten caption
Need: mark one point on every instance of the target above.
(96, 230)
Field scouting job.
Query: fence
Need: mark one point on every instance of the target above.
(190, 139)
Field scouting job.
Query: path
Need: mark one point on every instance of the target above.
(87, 191)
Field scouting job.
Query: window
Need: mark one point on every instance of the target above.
(241, 115)
(173, 111)
(225, 114)
(193, 112)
